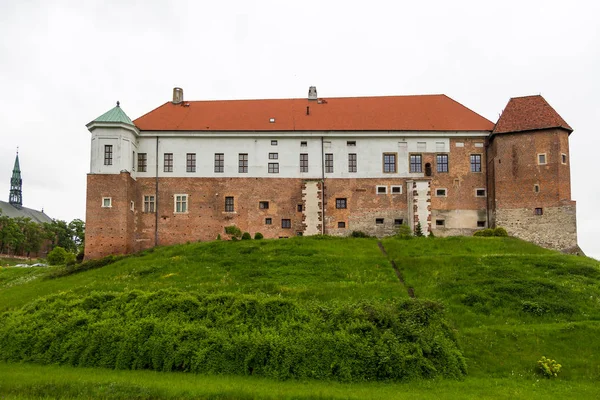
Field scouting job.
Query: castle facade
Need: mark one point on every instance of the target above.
(286, 167)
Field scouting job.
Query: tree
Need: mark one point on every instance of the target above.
(77, 228)
(419, 230)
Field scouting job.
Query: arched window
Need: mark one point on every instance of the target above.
(428, 169)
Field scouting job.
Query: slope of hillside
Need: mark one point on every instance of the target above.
(320, 307)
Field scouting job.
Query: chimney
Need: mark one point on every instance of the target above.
(177, 95)
(312, 93)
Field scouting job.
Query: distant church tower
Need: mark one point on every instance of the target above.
(16, 197)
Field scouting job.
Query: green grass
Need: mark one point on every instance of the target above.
(509, 302)
(26, 381)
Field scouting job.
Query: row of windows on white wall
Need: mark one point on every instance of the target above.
(389, 162)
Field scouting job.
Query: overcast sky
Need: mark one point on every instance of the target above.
(64, 63)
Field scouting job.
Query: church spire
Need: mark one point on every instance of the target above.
(16, 196)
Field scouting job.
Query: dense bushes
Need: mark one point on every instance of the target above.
(238, 334)
(492, 232)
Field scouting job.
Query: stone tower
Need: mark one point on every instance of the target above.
(16, 194)
(111, 185)
(529, 174)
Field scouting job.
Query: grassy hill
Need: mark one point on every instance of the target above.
(318, 308)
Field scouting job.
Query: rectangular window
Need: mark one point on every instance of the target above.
(381, 189)
(263, 205)
(108, 153)
(340, 203)
(481, 224)
(132, 205)
(341, 224)
(542, 158)
(442, 162)
(440, 192)
(538, 211)
(352, 162)
(273, 168)
(106, 202)
(133, 161)
(480, 192)
(243, 163)
(563, 158)
(303, 144)
(440, 222)
(273, 156)
(273, 142)
(329, 163)
(149, 204)
(416, 163)
(299, 208)
(168, 164)
(142, 162)
(378, 221)
(191, 162)
(304, 162)
(286, 223)
(536, 188)
(397, 189)
(398, 221)
(219, 162)
(181, 203)
(229, 204)
(351, 143)
(268, 221)
(389, 162)
(422, 146)
(475, 162)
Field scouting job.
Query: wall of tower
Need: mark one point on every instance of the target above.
(532, 197)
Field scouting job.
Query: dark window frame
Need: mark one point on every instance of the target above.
(286, 223)
(142, 162)
(441, 163)
(303, 162)
(229, 204)
(273, 156)
(341, 203)
(352, 162)
(243, 163)
(263, 205)
(168, 162)
(273, 168)
(390, 163)
(475, 161)
(190, 162)
(416, 163)
(108, 154)
(268, 221)
(219, 162)
(329, 163)
(341, 225)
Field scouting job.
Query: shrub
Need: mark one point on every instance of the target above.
(431, 235)
(548, 367)
(70, 259)
(233, 231)
(500, 232)
(258, 236)
(80, 257)
(359, 234)
(57, 256)
(404, 232)
(246, 236)
(419, 230)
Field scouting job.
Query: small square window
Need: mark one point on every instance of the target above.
(299, 208)
(563, 158)
(341, 224)
(273, 142)
(480, 192)
(273, 156)
(378, 221)
(263, 205)
(542, 159)
(398, 221)
(396, 189)
(299, 233)
(381, 189)
(538, 211)
(273, 168)
(286, 223)
(440, 222)
(351, 143)
(268, 221)
(303, 144)
(440, 192)
(536, 188)
(106, 202)
(481, 224)
(340, 203)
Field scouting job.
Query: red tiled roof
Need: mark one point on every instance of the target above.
(529, 113)
(395, 113)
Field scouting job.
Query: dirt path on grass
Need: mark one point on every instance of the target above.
(410, 290)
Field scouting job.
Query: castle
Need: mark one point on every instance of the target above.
(305, 166)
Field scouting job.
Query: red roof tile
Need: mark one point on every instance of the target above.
(529, 113)
(395, 113)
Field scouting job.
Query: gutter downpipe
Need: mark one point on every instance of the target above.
(322, 186)
(156, 199)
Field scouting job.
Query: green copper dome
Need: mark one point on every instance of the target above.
(115, 115)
